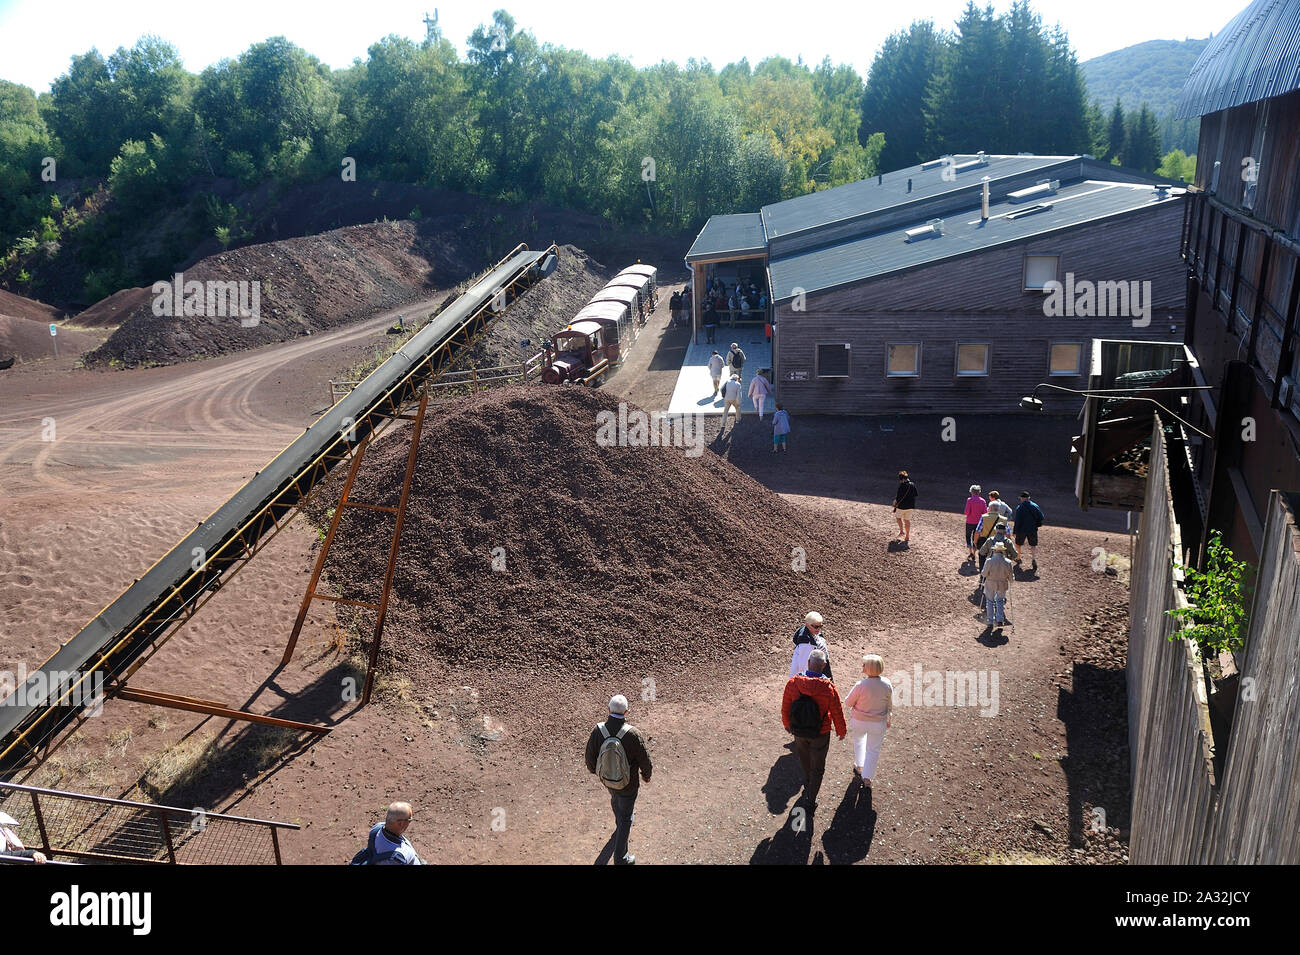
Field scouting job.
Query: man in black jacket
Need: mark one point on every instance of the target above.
(622, 801)
(904, 503)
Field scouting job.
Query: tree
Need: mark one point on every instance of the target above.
(1141, 141)
(964, 109)
(893, 100)
(1178, 165)
(1115, 133)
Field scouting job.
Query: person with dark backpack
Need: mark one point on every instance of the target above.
(617, 755)
(387, 843)
(809, 706)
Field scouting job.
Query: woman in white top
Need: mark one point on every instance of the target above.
(869, 704)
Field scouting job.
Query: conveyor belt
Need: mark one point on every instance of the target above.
(128, 630)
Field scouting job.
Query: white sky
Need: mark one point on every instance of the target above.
(38, 37)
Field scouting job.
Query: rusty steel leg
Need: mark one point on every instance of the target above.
(411, 456)
(40, 826)
(324, 550)
(172, 701)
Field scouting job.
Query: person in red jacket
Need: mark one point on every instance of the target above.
(809, 706)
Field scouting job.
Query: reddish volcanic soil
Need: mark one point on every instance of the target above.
(638, 571)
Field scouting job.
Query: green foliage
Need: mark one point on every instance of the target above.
(1141, 140)
(1217, 608)
(1178, 165)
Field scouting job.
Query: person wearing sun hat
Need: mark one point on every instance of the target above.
(11, 845)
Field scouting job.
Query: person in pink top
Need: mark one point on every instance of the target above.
(759, 389)
(868, 706)
(975, 508)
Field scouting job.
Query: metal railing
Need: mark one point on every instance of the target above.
(474, 379)
(119, 830)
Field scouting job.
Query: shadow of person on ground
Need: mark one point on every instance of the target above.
(897, 545)
(784, 779)
(1024, 574)
(969, 569)
(791, 844)
(848, 839)
(993, 637)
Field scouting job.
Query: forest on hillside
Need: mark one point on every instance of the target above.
(128, 161)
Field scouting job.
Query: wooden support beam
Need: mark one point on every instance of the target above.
(199, 706)
(416, 430)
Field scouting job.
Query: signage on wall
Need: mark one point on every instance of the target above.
(796, 376)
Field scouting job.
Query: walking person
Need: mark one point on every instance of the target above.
(715, 371)
(759, 389)
(780, 429)
(736, 359)
(387, 843)
(999, 537)
(687, 301)
(810, 705)
(807, 639)
(1000, 507)
(976, 507)
(731, 393)
(617, 755)
(710, 322)
(1029, 518)
(904, 504)
(869, 704)
(675, 308)
(996, 577)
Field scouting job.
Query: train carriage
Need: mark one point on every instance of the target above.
(637, 301)
(650, 273)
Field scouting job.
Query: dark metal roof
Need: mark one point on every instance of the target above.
(867, 196)
(724, 236)
(1256, 56)
(885, 252)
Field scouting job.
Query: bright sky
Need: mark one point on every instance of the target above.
(38, 37)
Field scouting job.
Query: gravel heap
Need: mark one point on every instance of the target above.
(614, 556)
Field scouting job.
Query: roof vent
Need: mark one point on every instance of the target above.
(933, 163)
(1162, 190)
(1029, 211)
(930, 230)
(979, 161)
(1047, 187)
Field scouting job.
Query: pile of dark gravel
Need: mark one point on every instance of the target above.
(613, 556)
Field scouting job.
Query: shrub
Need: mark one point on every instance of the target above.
(1217, 601)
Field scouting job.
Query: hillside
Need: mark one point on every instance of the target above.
(1153, 73)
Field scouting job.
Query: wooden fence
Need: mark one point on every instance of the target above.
(1257, 817)
(475, 379)
(1170, 741)
(1181, 813)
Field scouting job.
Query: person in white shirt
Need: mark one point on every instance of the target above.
(807, 639)
(715, 370)
(759, 389)
(869, 704)
(731, 398)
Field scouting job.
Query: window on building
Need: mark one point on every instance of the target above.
(1065, 358)
(904, 360)
(972, 359)
(833, 359)
(1039, 270)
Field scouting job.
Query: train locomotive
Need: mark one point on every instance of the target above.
(595, 342)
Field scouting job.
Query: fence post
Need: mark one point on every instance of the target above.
(523, 370)
(40, 824)
(473, 379)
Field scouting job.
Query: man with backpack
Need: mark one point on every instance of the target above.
(809, 706)
(617, 755)
(1029, 518)
(387, 843)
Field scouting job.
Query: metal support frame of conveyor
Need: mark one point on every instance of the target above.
(163, 620)
(345, 502)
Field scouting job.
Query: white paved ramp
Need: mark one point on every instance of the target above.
(693, 394)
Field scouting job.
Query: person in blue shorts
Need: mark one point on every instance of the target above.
(780, 429)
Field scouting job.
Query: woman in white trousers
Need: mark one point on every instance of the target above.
(869, 704)
(759, 389)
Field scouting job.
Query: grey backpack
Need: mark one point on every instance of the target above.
(612, 766)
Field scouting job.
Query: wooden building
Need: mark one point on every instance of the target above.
(930, 289)
(1241, 243)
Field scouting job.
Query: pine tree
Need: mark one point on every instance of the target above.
(894, 99)
(1115, 133)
